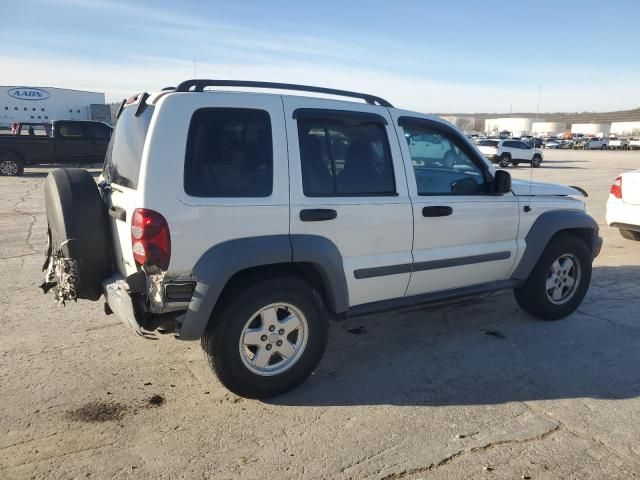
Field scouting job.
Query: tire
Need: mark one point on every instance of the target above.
(504, 161)
(11, 166)
(78, 230)
(533, 296)
(230, 358)
(630, 234)
(536, 161)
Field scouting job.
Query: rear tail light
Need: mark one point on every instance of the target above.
(150, 239)
(616, 188)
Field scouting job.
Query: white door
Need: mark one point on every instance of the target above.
(464, 235)
(348, 185)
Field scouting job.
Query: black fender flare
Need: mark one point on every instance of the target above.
(545, 227)
(221, 262)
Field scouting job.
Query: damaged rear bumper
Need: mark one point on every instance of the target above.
(116, 292)
(141, 316)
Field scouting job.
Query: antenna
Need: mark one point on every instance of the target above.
(195, 74)
(528, 207)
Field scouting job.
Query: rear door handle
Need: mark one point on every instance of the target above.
(317, 214)
(437, 211)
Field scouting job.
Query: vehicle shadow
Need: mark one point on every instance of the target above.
(484, 350)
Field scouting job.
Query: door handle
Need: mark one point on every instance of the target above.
(317, 214)
(437, 211)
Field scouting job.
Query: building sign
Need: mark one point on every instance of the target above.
(28, 93)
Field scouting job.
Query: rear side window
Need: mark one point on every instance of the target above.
(345, 157)
(489, 143)
(71, 130)
(97, 131)
(229, 153)
(124, 154)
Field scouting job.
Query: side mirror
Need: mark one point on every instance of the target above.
(501, 182)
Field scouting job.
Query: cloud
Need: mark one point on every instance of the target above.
(154, 47)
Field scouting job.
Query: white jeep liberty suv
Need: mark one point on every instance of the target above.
(247, 220)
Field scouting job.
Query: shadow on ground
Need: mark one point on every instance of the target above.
(484, 350)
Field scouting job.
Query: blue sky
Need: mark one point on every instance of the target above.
(461, 56)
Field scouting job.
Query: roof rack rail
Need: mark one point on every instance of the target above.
(199, 86)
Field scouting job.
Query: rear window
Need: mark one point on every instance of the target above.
(124, 154)
(229, 153)
(489, 143)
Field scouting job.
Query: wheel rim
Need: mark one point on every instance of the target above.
(8, 168)
(563, 279)
(273, 339)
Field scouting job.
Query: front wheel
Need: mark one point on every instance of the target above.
(10, 166)
(535, 163)
(559, 281)
(268, 337)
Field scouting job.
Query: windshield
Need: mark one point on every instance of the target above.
(124, 154)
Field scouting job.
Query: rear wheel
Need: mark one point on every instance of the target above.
(505, 160)
(630, 234)
(559, 281)
(267, 337)
(10, 166)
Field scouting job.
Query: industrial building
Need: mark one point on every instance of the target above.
(596, 129)
(626, 128)
(516, 126)
(548, 129)
(46, 104)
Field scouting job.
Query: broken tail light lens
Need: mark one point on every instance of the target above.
(616, 188)
(150, 239)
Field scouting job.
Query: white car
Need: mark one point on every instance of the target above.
(634, 143)
(623, 205)
(596, 144)
(247, 221)
(618, 143)
(508, 151)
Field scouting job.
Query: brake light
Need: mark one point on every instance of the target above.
(616, 188)
(150, 239)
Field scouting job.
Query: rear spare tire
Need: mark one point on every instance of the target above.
(79, 247)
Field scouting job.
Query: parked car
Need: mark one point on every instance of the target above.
(514, 152)
(566, 144)
(596, 144)
(69, 141)
(623, 205)
(553, 144)
(247, 221)
(634, 143)
(618, 143)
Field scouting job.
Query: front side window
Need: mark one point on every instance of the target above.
(441, 165)
(229, 153)
(98, 131)
(345, 157)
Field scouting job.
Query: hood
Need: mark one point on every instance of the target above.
(522, 188)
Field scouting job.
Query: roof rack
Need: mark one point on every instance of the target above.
(199, 86)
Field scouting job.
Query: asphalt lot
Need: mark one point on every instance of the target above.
(471, 389)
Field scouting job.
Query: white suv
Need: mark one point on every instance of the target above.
(507, 151)
(248, 220)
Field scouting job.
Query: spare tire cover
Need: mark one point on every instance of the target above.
(79, 252)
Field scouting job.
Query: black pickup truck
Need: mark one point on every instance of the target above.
(67, 142)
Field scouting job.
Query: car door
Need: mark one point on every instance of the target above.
(525, 152)
(72, 143)
(98, 136)
(463, 234)
(348, 186)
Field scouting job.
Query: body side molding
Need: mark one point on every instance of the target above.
(544, 228)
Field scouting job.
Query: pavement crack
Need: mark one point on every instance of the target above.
(609, 321)
(469, 451)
